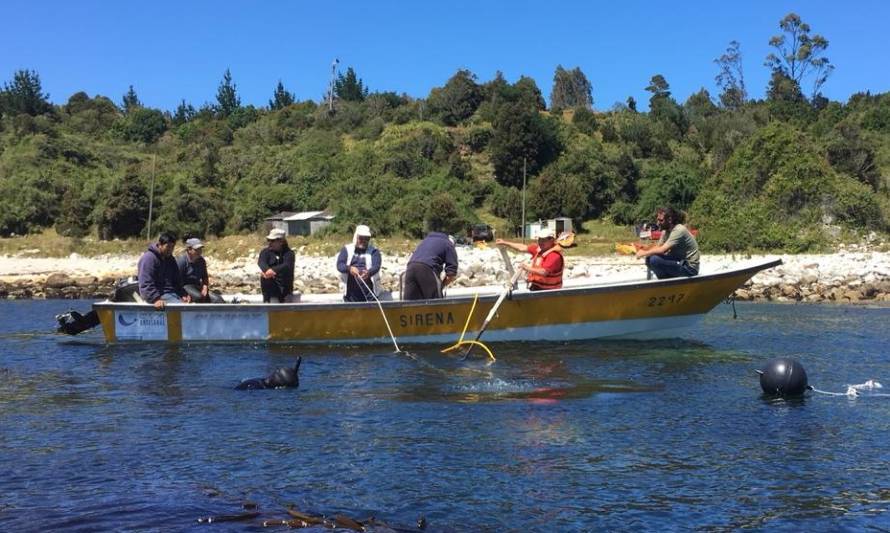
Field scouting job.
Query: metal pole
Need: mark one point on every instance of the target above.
(523, 199)
(151, 197)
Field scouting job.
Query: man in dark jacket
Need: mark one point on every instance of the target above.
(193, 273)
(276, 264)
(158, 274)
(422, 276)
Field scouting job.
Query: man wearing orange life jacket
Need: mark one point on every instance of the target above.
(545, 270)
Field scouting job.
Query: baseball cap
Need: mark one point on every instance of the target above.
(275, 234)
(545, 233)
(194, 243)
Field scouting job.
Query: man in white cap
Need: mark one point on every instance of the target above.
(276, 264)
(193, 272)
(544, 272)
(359, 267)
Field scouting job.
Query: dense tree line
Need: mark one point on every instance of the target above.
(783, 172)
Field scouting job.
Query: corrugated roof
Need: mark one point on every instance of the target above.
(308, 215)
(281, 216)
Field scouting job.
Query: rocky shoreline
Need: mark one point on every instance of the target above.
(851, 275)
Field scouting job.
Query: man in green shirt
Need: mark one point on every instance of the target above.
(676, 253)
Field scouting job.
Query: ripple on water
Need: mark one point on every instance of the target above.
(556, 437)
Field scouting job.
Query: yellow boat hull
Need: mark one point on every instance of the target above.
(643, 309)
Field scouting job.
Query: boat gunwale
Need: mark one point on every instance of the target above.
(456, 300)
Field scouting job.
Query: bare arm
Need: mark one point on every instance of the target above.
(514, 245)
(654, 250)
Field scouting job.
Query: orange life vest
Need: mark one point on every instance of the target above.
(546, 281)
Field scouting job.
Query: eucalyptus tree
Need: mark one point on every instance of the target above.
(571, 89)
(800, 55)
(731, 78)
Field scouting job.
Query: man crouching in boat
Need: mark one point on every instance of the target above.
(676, 253)
(276, 264)
(434, 254)
(159, 281)
(359, 260)
(546, 267)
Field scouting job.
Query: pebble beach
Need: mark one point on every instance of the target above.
(853, 274)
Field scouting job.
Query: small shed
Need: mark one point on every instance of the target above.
(307, 222)
(276, 221)
(558, 225)
(302, 223)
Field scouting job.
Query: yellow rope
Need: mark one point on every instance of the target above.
(461, 342)
(477, 343)
(469, 316)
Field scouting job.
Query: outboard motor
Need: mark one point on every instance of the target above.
(125, 290)
(73, 323)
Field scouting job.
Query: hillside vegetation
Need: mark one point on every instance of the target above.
(793, 171)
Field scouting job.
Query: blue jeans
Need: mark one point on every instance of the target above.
(668, 268)
(171, 298)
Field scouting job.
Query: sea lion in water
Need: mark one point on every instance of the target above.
(283, 377)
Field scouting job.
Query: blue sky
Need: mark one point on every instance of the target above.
(174, 50)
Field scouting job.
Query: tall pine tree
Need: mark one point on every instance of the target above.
(130, 102)
(282, 98)
(227, 97)
(349, 87)
(184, 113)
(24, 95)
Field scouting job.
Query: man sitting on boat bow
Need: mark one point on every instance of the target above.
(676, 253)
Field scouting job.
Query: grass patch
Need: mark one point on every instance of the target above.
(597, 239)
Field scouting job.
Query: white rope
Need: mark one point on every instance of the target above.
(854, 391)
(379, 305)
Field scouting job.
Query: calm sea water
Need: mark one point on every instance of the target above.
(552, 437)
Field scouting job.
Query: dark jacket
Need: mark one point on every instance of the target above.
(158, 275)
(192, 273)
(355, 290)
(436, 251)
(283, 264)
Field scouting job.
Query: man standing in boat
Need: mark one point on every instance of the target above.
(359, 267)
(676, 253)
(276, 264)
(193, 273)
(544, 272)
(422, 276)
(159, 281)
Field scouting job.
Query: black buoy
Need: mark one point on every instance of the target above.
(783, 377)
